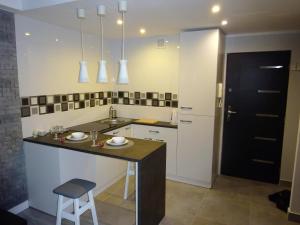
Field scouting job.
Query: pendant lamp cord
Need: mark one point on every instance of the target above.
(123, 36)
(82, 51)
(101, 30)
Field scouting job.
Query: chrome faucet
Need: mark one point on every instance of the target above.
(112, 113)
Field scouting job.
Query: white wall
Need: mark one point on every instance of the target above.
(47, 66)
(150, 68)
(295, 197)
(272, 42)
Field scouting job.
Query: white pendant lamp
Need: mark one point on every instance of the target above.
(83, 72)
(102, 73)
(123, 74)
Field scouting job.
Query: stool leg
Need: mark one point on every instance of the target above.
(93, 209)
(59, 209)
(127, 181)
(76, 210)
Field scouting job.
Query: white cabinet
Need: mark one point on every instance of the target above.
(198, 71)
(195, 153)
(168, 135)
(123, 131)
(126, 131)
(48, 167)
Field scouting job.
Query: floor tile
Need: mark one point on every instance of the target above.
(232, 201)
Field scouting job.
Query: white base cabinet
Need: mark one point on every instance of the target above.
(123, 131)
(168, 135)
(48, 167)
(195, 155)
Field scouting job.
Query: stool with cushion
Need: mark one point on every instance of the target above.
(74, 189)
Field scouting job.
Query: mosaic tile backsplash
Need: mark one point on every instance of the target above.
(46, 104)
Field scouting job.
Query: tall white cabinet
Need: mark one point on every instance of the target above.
(199, 69)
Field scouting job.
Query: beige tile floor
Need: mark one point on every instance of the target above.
(232, 201)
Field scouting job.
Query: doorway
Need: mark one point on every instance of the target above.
(254, 115)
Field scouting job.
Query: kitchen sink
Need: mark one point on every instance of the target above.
(114, 121)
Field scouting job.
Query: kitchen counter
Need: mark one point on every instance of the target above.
(103, 127)
(51, 162)
(157, 124)
(137, 152)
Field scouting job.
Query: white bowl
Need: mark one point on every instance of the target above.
(77, 135)
(118, 140)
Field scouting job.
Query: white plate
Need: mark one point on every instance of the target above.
(69, 137)
(110, 142)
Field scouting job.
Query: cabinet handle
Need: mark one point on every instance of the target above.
(160, 140)
(185, 107)
(154, 131)
(186, 121)
(116, 132)
(149, 139)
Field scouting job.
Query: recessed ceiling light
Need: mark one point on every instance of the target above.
(27, 34)
(56, 39)
(224, 22)
(215, 9)
(166, 41)
(142, 30)
(119, 22)
(178, 46)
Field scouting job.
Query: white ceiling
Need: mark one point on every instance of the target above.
(162, 17)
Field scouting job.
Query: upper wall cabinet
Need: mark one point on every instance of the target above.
(199, 51)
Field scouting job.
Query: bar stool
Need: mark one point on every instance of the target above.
(74, 189)
(130, 172)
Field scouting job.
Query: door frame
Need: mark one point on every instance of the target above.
(223, 106)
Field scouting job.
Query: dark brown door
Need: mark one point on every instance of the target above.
(256, 93)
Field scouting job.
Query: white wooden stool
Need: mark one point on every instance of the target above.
(74, 189)
(130, 172)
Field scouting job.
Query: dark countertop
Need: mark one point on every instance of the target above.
(102, 127)
(140, 150)
(158, 124)
(137, 152)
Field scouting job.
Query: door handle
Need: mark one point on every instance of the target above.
(154, 131)
(230, 112)
(186, 121)
(185, 107)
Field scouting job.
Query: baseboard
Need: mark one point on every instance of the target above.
(285, 183)
(189, 181)
(97, 191)
(295, 217)
(19, 208)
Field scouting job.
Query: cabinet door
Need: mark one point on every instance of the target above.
(198, 72)
(142, 132)
(195, 148)
(168, 135)
(116, 132)
(126, 131)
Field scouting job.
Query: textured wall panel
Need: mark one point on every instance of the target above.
(12, 164)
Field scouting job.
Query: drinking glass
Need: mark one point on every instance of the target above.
(60, 130)
(54, 130)
(94, 135)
